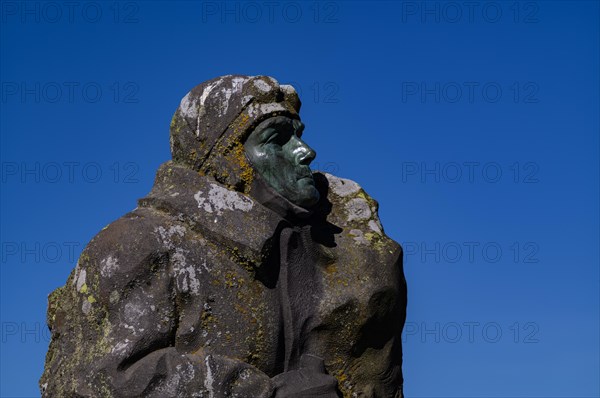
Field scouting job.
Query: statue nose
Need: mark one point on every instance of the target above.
(306, 154)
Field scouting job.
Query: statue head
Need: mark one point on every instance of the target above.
(241, 128)
(276, 150)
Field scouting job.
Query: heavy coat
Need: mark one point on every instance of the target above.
(182, 297)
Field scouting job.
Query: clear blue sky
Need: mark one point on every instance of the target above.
(474, 126)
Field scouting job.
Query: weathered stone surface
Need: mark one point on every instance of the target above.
(211, 287)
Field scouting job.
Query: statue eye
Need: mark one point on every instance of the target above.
(280, 136)
(273, 138)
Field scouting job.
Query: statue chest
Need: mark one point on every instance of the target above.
(233, 315)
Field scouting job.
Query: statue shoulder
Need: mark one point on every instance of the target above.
(354, 210)
(129, 238)
(128, 250)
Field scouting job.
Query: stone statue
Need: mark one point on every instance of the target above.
(241, 274)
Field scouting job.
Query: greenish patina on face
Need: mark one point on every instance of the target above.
(277, 152)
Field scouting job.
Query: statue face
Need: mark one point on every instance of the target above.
(277, 152)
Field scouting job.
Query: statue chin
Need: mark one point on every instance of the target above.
(305, 196)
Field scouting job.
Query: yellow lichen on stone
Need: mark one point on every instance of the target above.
(342, 379)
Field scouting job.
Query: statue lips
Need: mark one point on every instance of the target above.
(308, 178)
(306, 175)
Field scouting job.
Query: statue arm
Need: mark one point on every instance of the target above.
(144, 360)
(119, 341)
(147, 364)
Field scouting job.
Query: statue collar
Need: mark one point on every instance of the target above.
(231, 219)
